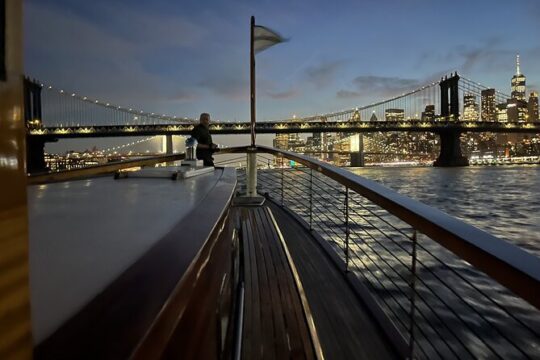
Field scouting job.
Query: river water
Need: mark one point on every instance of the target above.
(504, 201)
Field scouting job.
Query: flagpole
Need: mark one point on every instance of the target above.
(252, 78)
(251, 166)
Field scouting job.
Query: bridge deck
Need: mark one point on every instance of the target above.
(346, 329)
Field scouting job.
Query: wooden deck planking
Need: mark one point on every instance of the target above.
(345, 328)
(267, 348)
(285, 278)
(275, 325)
(280, 337)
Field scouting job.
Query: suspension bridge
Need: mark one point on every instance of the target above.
(53, 114)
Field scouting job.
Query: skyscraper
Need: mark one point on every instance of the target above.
(517, 105)
(489, 106)
(517, 110)
(470, 108)
(502, 114)
(394, 114)
(518, 83)
(533, 107)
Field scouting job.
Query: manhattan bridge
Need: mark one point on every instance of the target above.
(52, 114)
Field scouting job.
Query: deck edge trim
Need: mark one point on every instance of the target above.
(305, 304)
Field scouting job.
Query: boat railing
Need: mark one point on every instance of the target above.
(439, 287)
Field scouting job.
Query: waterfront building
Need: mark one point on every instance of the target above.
(296, 143)
(320, 143)
(533, 107)
(516, 110)
(489, 107)
(429, 113)
(281, 141)
(394, 114)
(356, 116)
(502, 114)
(470, 108)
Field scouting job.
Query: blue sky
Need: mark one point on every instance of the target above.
(186, 57)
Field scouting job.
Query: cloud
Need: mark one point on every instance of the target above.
(184, 96)
(384, 85)
(323, 74)
(281, 95)
(347, 94)
(227, 84)
(492, 55)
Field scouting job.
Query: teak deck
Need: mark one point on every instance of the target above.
(344, 325)
(275, 325)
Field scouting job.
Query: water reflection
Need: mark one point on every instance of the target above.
(504, 201)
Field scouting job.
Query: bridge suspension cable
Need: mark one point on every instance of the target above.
(413, 103)
(476, 88)
(133, 143)
(65, 108)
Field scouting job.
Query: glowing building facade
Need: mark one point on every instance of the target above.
(489, 105)
(517, 106)
(533, 107)
(470, 108)
(518, 83)
(394, 114)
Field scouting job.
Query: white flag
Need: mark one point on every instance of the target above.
(263, 38)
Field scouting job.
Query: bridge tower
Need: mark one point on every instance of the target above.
(450, 154)
(35, 148)
(450, 97)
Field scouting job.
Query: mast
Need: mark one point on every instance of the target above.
(252, 78)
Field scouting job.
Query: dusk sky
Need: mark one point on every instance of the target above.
(185, 57)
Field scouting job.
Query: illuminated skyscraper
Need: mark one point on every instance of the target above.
(517, 105)
(470, 108)
(533, 107)
(394, 114)
(518, 83)
(489, 106)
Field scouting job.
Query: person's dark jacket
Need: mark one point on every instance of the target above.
(202, 135)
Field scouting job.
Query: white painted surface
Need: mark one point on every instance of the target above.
(84, 234)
